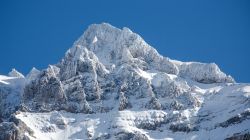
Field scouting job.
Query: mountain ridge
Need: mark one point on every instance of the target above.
(112, 75)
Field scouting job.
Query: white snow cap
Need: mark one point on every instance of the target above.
(113, 46)
(15, 73)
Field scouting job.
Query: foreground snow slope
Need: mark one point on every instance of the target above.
(112, 85)
(217, 108)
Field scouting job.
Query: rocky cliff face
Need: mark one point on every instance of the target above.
(125, 89)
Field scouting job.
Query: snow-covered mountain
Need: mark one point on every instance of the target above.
(112, 85)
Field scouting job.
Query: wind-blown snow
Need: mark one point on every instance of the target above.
(4, 79)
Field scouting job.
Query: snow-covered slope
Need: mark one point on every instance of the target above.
(112, 85)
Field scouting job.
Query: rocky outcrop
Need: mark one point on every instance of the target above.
(123, 102)
(46, 92)
(15, 129)
(203, 73)
(236, 119)
(154, 103)
(245, 136)
(131, 136)
(182, 127)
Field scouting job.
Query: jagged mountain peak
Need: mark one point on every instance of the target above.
(103, 37)
(15, 73)
(102, 32)
(32, 75)
(111, 47)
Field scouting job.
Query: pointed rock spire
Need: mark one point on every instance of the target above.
(15, 73)
(33, 74)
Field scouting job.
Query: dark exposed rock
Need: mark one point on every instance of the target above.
(14, 130)
(10, 98)
(103, 137)
(123, 102)
(46, 92)
(236, 119)
(239, 136)
(149, 125)
(9, 131)
(182, 127)
(48, 129)
(131, 136)
(154, 103)
(175, 105)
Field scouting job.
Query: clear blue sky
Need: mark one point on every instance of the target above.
(38, 33)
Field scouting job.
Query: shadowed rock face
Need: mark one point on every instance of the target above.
(114, 70)
(15, 129)
(131, 136)
(10, 96)
(236, 119)
(239, 137)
